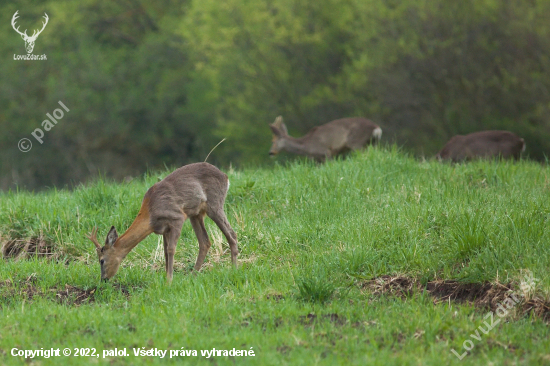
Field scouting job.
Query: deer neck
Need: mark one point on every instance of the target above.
(139, 230)
(296, 146)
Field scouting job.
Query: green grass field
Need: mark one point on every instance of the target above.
(313, 240)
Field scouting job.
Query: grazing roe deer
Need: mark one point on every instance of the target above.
(191, 191)
(328, 140)
(484, 144)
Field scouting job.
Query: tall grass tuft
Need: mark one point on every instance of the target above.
(315, 287)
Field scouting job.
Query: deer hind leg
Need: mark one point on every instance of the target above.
(170, 241)
(165, 242)
(221, 220)
(204, 242)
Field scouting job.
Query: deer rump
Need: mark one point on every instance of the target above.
(484, 144)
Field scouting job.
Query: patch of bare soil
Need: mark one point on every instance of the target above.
(122, 288)
(310, 318)
(70, 295)
(275, 297)
(482, 295)
(284, 349)
(75, 296)
(398, 285)
(24, 290)
(27, 248)
(538, 307)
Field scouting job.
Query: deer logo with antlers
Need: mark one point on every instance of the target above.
(29, 41)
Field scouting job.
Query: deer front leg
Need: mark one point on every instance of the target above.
(204, 242)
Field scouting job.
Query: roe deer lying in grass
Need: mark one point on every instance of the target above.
(191, 191)
(328, 140)
(484, 144)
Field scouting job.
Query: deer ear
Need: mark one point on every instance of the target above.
(111, 237)
(283, 129)
(278, 127)
(275, 131)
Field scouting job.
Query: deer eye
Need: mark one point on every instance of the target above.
(102, 261)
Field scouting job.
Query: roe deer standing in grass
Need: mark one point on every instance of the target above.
(484, 144)
(191, 191)
(328, 140)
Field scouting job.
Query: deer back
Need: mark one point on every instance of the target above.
(188, 191)
(341, 134)
(484, 144)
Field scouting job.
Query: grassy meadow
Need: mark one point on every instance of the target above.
(314, 240)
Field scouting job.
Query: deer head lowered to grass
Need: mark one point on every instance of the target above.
(328, 140)
(29, 41)
(192, 191)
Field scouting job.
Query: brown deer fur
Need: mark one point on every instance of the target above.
(484, 144)
(328, 140)
(192, 191)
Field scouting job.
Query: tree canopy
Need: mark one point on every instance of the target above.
(150, 84)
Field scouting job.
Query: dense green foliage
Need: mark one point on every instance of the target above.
(155, 83)
(309, 236)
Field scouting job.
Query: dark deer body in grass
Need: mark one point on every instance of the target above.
(192, 191)
(328, 140)
(484, 144)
